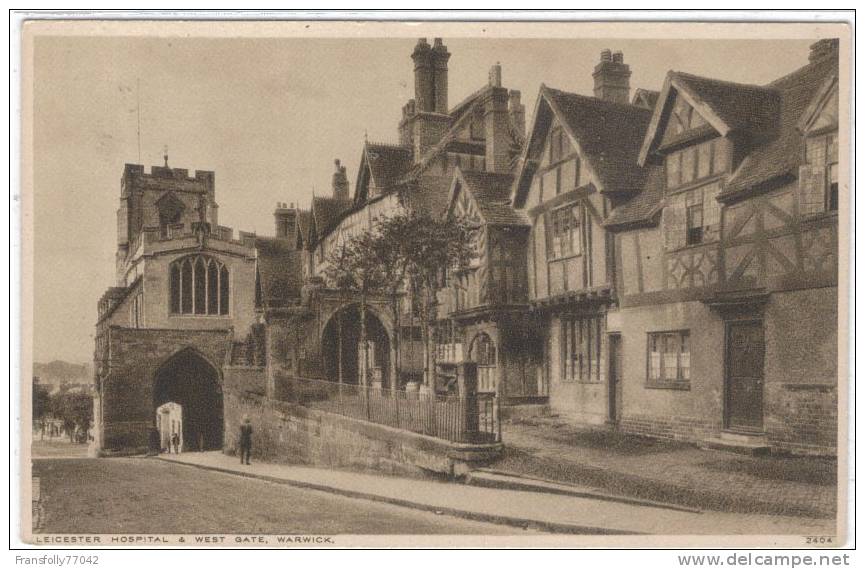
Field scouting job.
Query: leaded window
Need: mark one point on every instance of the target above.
(818, 178)
(669, 357)
(198, 285)
(581, 349)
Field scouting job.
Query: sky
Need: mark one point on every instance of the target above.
(269, 116)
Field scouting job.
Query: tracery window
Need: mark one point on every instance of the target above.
(199, 285)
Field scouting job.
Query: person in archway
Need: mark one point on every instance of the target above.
(245, 440)
(175, 441)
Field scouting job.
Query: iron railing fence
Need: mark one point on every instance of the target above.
(449, 417)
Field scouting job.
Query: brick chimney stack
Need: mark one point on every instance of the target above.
(440, 57)
(285, 219)
(823, 49)
(496, 124)
(340, 182)
(425, 118)
(424, 95)
(517, 111)
(612, 78)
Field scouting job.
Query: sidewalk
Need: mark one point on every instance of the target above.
(533, 510)
(666, 471)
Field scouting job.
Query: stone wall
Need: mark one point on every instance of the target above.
(127, 391)
(244, 379)
(288, 433)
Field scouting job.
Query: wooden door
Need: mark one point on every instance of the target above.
(744, 375)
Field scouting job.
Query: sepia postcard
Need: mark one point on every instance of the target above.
(435, 284)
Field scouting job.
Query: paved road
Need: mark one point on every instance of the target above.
(57, 448)
(140, 495)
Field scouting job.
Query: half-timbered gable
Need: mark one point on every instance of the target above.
(484, 306)
(576, 166)
(728, 258)
(580, 161)
(497, 272)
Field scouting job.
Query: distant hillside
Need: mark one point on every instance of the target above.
(58, 372)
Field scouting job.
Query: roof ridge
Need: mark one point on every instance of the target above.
(800, 70)
(393, 145)
(595, 100)
(687, 75)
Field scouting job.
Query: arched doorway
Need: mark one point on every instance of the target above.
(483, 352)
(341, 344)
(191, 382)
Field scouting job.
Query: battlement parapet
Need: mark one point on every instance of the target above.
(167, 172)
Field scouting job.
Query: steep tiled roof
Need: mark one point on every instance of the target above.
(492, 196)
(643, 206)
(279, 271)
(327, 212)
(745, 108)
(427, 194)
(387, 162)
(782, 155)
(610, 135)
(777, 157)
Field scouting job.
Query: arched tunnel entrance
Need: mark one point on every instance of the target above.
(191, 382)
(341, 343)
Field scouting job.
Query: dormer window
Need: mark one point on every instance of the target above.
(818, 177)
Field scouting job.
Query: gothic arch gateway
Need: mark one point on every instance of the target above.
(191, 381)
(341, 347)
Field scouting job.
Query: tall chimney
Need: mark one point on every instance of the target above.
(424, 95)
(285, 219)
(440, 57)
(496, 75)
(496, 123)
(612, 78)
(340, 182)
(517, 111)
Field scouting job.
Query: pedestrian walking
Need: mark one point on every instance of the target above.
(175, 442)
(245, 440)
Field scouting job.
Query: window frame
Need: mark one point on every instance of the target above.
(581, 337)
(830, 162)
(176, 306)
(572, 235)
(682, 379)
(694, 233)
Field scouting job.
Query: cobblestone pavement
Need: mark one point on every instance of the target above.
(534, 510)
(147, 496)
(669, 471)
